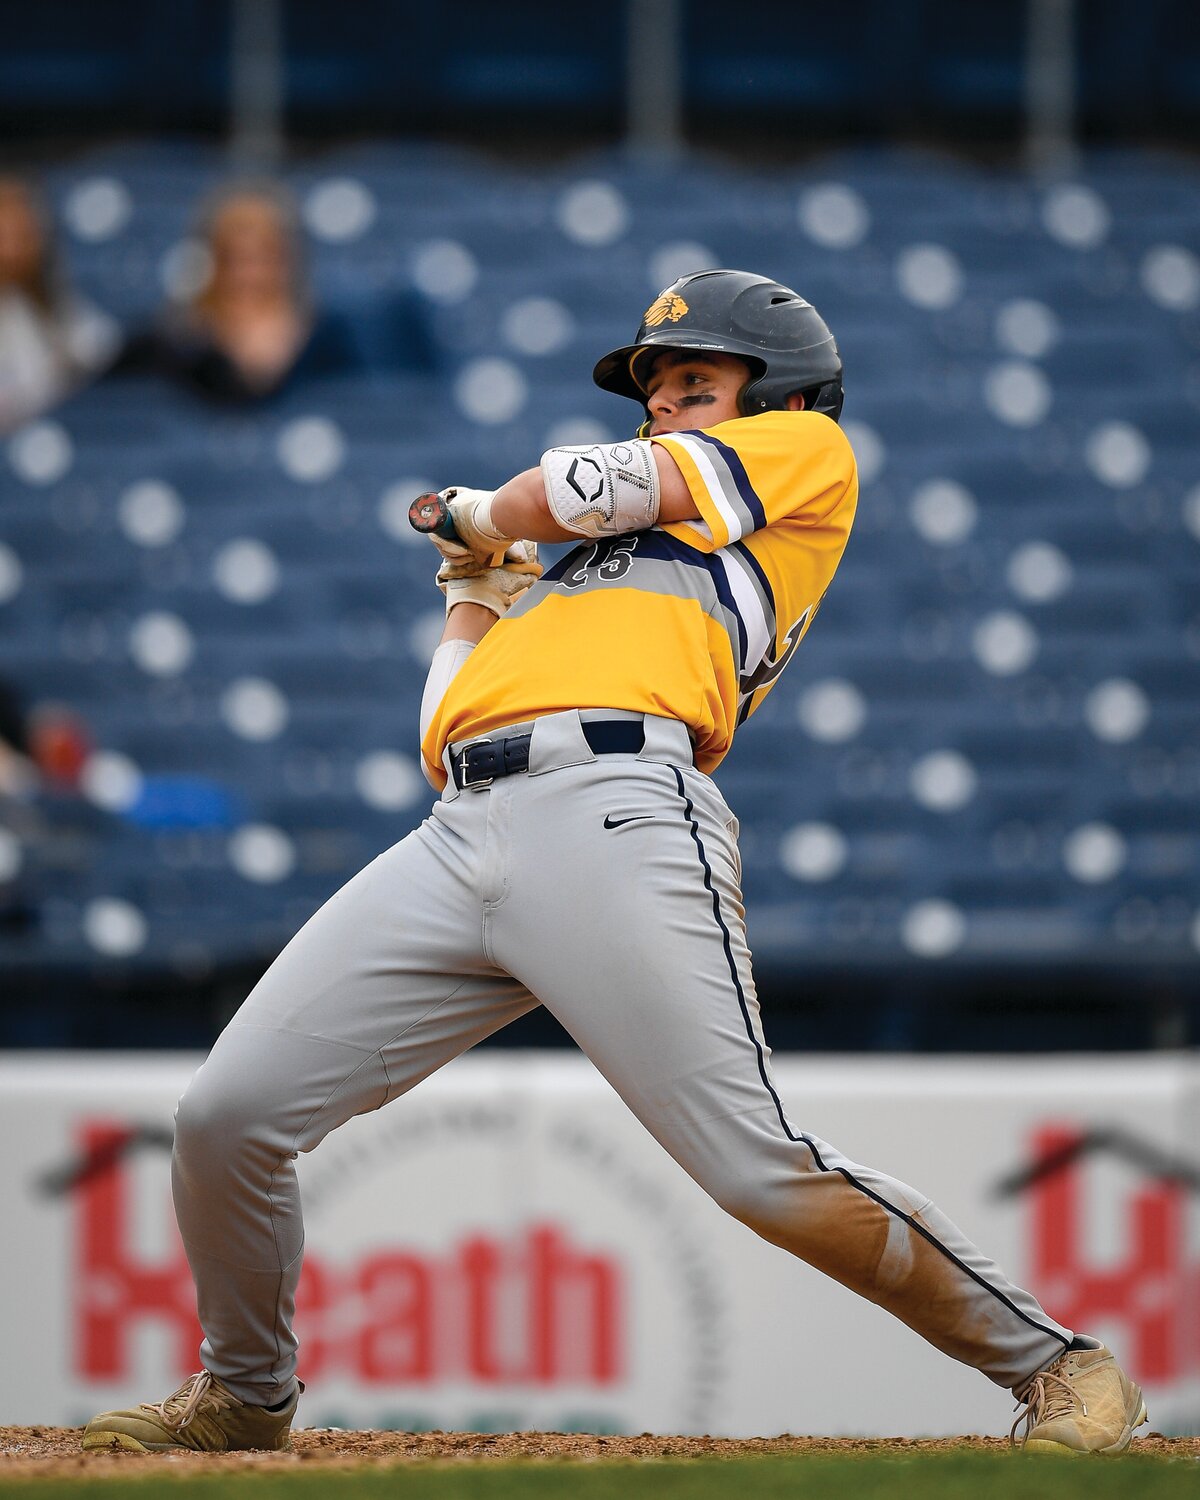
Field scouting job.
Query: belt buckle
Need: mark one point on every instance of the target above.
(475, 784)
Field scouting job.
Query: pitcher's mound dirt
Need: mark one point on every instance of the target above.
(55, 1451)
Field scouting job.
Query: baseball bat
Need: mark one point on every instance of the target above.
(429, 514)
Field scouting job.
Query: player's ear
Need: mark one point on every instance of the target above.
(795, 402)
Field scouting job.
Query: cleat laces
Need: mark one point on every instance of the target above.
(1046, 1397)
(192, 1396)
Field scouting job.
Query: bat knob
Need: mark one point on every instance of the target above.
(428, 513)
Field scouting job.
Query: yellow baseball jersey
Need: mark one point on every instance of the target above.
(694, 620)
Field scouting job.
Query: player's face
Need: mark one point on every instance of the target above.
(686, 392)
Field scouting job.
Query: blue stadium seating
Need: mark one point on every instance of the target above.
(988, 750)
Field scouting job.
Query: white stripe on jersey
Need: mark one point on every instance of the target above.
(712, 482)
(701, 528)
(749, 606)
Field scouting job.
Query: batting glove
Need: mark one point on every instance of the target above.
(466, 580)
(471, 512)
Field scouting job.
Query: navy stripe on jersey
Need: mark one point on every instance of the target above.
(745, 489)
(725, 595)
(755, 567)
(566, 564)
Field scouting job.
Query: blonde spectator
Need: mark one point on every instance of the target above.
(252, 328)
(51, 339)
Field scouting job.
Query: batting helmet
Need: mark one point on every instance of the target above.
(781, 337)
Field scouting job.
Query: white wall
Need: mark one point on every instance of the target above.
(506, 1248)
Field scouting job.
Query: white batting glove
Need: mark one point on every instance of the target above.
(471, 511)
(466, 580)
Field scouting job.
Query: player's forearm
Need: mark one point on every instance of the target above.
(468, 622)
(520, 507)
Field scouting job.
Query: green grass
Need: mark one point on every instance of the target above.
(871, 1477)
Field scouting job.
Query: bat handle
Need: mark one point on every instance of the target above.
(430, 515)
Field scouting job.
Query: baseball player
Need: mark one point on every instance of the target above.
(579, 857)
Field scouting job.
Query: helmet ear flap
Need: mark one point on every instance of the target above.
(751, 407)
(828, 399)
(751, 399)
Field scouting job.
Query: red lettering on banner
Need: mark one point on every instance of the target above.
(479, 1267)
(1146, 1291)
(560, 1278)
(115, 1289)
(396, 1341)
(314, 1297)
(491, 1311)
(533, 1308)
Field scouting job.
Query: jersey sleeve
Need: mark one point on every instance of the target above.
(753, 472)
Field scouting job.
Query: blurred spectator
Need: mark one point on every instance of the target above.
(251, 329)
(60, 744)
(51, 339)
(43, 748)
(18, 774)
(45, 826)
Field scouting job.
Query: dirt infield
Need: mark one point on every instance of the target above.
(29, 1452)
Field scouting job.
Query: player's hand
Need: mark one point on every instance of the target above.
(470, 512)
(467, 580)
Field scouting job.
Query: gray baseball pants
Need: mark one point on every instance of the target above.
(633, 938)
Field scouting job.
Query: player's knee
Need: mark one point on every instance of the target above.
(751, 1202)
(214, 1119)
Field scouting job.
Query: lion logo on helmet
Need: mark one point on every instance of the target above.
(668, 308)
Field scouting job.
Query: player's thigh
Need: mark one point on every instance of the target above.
(270, 1086)
(382, 986)
(394, 941)
(634, 938)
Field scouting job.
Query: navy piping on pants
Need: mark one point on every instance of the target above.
(688, 812)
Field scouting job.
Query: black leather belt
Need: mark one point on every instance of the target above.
(480, 762)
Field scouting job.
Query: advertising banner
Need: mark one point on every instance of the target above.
(506, 1248)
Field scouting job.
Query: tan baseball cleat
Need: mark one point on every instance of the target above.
(1082, 1403)
(201, 1415)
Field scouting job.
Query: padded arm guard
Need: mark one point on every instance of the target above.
(603, 489)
